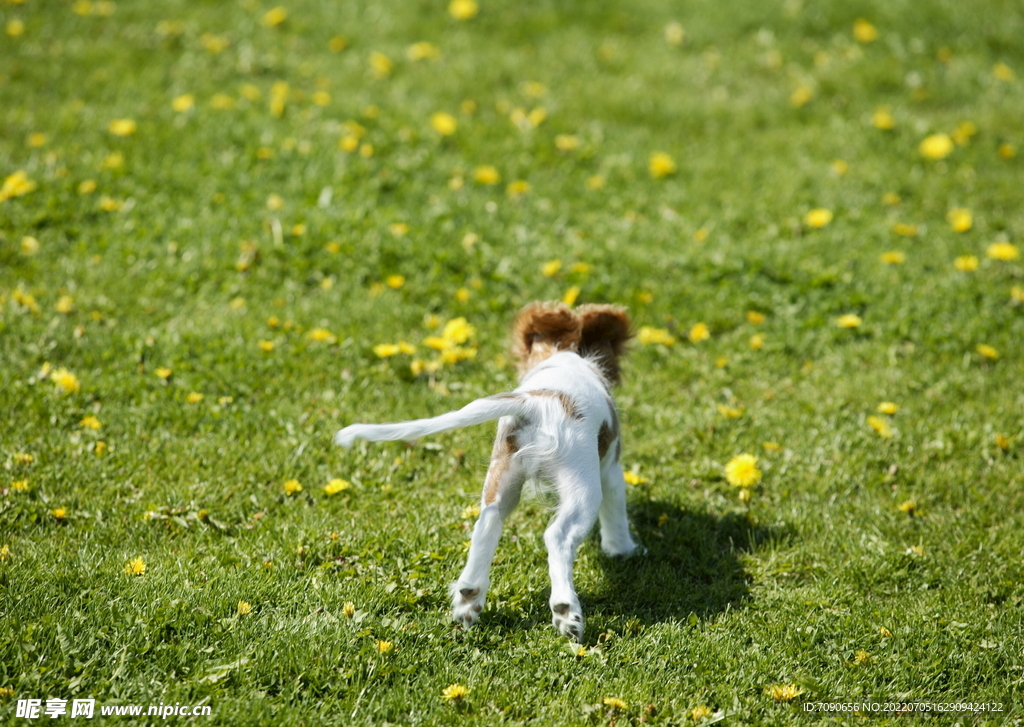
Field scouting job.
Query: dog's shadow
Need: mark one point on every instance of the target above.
(692, 569)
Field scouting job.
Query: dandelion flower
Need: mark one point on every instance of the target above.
(275, 16)
(861, 657)
(265, 346)
(960, 219)
(849, 320)
(66, 381)
(291, 487)
(15, 27)
(463, 9)
(16, 185)
(213, 44)
(757, 341)
(1002, 71)
(348, 610)
(395, 281)
(454, 692)
(648, 335)
(422, 51)
(661, 165)
(966, 263)
(893, 257)
(385, 350)
(885, 632)
(336, 485)
(29, 246)
(518, 188)
(1017, 294)
(551, 268)
(321, 335)
(24, 458)
(987, 351)
(882, 119)
(891, 199)
(100, 448)
(800, 96)
(222, 102)
(567, 142)
(122, 127)
(905, 229)
(675, 33)
(887, 407)
(87, 186)
(1003, 251)
(462, 295)
(381, 64)
(742, 471)
(700, 712)
(1001, 441)
(864, 32)
(881, 426)
(784, 692)
(818, 218)
(571, 295)
(614, 703)
(244, 608)
(135, 567)
(444, 123)
(22, 485)
(59, 513)
(194, 397)
(337, 44)
(384, 647)
(936, 146)
(184, 102)
(486, 174)
(754, 317)
(632, 478)
(699, 332)
(595, 182)
(5, 554)
(729, 412)
(907, 507)
(90, 422)
(1007, 150)
(964, 131)
(163, 373)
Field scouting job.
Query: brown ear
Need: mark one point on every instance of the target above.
(542, 329)
(606, 331)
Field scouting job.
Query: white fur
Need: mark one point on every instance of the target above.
(551, 445)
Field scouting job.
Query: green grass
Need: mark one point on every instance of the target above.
(733, 598)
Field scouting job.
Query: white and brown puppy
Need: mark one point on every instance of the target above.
(560, 426)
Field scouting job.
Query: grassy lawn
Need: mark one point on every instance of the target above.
(226, 230)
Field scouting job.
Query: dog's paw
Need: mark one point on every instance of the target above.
(628, 549)
(467, 603)
(568, 619)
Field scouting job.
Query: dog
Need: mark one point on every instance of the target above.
(559, 425)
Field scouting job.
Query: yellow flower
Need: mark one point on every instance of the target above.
(614, 703)
(458, 330)
(384, 350)
(114, 160)
(109, 204)
(66, 381)
(936, 146)
(244, 608)
(800, 96)
(849, 320)
(861, 657)
(960, 219)
(663, 519)
(384, 647)
(65, 304)
(213, 43)
(884, 631)
(882, 119)
(571, 295)
(100, 449)
(337, 44)
(907, 507)
(184, 102)
(887, 407)
(700, 712)
(22, 485)
(966, 263)
(87, 186)
(381, 64)
(632, 478)
(291, 487)
(1002, 71)
(163, 373)
(24, 458)
(905, 229)
(265, 346)
(891, 199)
(486, 174)
(135, 567)
(567, 142)
(194, 397)
(336, 485)
(422, 51)
(595, 181)
(893, 257)
(249, 92)
(963, 132)
(36, 140)
(729, 412)
(321, 335)
(454, 692)
(699, 332)
(122, 127)
(349, 609)
(1007, 150)
(59, 513)
(444, 123)
(551, 268)
(987, 351)
(16, 185)
(518, 188)
(742, 471)
(784, 692)
(395, 281)
(675, 33)
(5, 554)
(661, 165)
(29, 246)
(648, 335)
(1003, 251)
(1017, 294)
(1001, 440)
(275, 16)
(462, 295)
(757, 341)
(463, 9)
(222, 102)
(818, 218)
(90, 422)
(881, 426)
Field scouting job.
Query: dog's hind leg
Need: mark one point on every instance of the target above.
(579, 503)
(615, 537)
(502, 488)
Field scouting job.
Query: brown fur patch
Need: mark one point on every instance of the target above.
(571, 409)
(501, 457)
(542, 330)
(604, 333)
(609, 433)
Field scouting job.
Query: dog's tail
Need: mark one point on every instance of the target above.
(477, 412)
